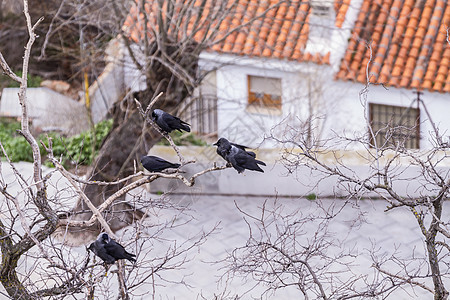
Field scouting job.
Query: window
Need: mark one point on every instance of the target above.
(264, 92)
(395, 125)
(201, 110)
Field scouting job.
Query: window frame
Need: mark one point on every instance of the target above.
(410, 140)
(266, 101)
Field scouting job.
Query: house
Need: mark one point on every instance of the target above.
(327, 67)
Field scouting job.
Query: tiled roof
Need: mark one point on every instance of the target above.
(407, 41)
(259, 28)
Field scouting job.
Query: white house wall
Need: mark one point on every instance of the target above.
(251, 128)
(338, 107)
(133, 77)
(234, 122)
(352, 117)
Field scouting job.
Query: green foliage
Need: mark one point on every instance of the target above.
(9, 127)
(15, 145)
(76, 149)
(311, 197)
(102, 129)
(33, 81)
(18, 149)
(183, 139)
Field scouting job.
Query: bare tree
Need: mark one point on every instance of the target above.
(164, 40)
(290, 249)
(407, 179)
(37, 214)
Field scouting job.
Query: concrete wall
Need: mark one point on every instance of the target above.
(119, 78)
(47, 109)
(281, 180)
(133, 78)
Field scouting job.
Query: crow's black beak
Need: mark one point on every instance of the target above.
(216, 143)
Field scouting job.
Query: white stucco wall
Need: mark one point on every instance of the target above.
(235, 122)
(249, 126)
(352, 116)
(337, 106)
(119, 77)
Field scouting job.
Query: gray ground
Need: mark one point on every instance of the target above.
(360, 228)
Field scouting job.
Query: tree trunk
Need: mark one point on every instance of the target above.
(440, 293)
(126, 142)
(8, 274)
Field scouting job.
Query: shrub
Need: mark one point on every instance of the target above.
(311, 197)
(32, 81)
(18, 149)
(76, 149)
(183, 139)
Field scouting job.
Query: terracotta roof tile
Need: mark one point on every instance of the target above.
(292, 32)
(341, 7)
(407, 40)
(426, 50)
(255, 28)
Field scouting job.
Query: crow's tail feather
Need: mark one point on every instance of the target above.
(259, 162)
(185, 126)
(130, 256)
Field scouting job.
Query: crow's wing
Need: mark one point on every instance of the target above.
(242, 147)
(231, 158)
(251, 153)
(156, 164)
(246, 161)
(150, 164)
(118, 251)
(175, 122)
(165, 163)
(163, 124)
(101, 252)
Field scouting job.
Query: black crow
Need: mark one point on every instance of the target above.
(167, 122)
(109, 250)
(238, 156)
(156, 164)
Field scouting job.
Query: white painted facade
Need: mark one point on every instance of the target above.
(308, 89)
(310, 95)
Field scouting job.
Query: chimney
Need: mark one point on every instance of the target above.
(321, 26)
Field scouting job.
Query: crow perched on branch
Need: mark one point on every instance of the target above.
(168, 123)
(109, 250)
(156, 164)
(238, 156)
